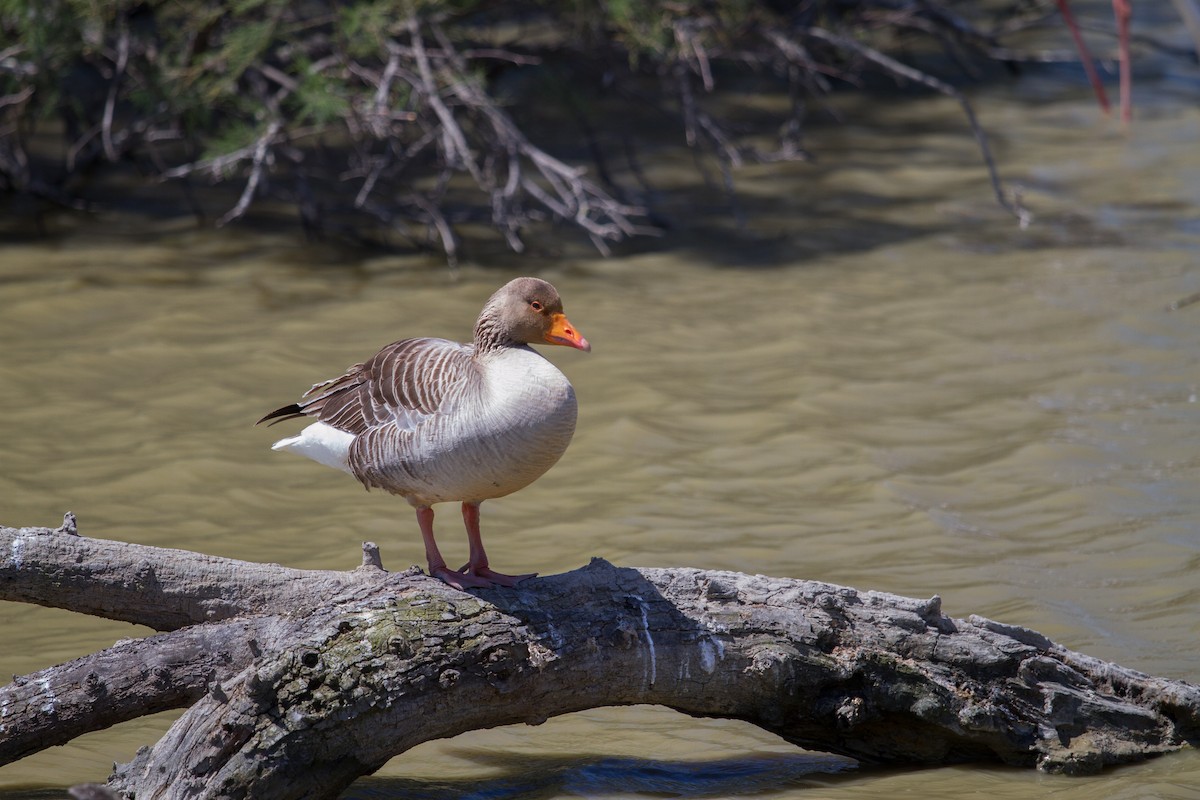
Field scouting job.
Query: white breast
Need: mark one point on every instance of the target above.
(500, 437)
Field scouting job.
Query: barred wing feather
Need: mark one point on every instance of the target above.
(403, 384)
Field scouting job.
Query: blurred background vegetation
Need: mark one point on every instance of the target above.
(399, 122)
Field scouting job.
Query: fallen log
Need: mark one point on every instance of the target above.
(297, 682)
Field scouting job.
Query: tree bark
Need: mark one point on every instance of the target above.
(300, 681)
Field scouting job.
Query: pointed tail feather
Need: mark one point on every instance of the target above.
(293, 411)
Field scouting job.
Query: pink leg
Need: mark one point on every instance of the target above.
(478, 565)
(437, 564)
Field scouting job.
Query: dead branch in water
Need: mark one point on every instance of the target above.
(297, 682)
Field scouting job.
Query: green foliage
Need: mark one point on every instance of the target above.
(243, 45)
(319, 98)
(230, 138)
(48, 35)
(212, 68)
(212, 77)
(365, 27)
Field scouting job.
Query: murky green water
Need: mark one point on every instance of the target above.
(883, 383)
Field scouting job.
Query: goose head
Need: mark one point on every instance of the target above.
(526, 311)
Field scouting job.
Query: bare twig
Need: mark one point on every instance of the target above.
(380, 164)
(110, 103)
(691, 49)
(12, 51)
(1189, 12)
(1122, 11)
(1012, 205)
(16, 98)
(458, 149)
(491, 53)
(217, 165)
(262, 150)
(279, 76)
(798, 55)
(438, 221)
(1184, 302)
(382, 91)
(573, 197)
(77, 146)
(9, 63)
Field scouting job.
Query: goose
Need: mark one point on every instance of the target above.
(433, 420)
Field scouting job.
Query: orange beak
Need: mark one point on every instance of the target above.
(562, 332)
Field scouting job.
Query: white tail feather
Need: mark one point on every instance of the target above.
(322, 443)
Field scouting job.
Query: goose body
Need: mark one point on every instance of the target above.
(435, 421)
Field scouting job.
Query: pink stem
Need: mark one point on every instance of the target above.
(1084, 54)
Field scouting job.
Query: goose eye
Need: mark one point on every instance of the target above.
(535, 305)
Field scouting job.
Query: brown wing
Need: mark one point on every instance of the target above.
(403, 383)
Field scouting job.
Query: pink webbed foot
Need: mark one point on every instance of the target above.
(495, 578)
(478, 563)
(458, 579)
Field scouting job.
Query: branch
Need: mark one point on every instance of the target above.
(438, 222)
(371, 664)
(1183, 302)
(262, 149)
(457, 150)
(16, 98)
(127, 681)
(877, 677)
(110, 103)
(577, 198)
(1013, 205)
(1189, 13)
(157, 587)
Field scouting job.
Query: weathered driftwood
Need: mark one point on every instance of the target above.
(300, 681)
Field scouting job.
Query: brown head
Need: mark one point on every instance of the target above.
(526, 311)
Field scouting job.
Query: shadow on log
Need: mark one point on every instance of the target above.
(297, 682)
